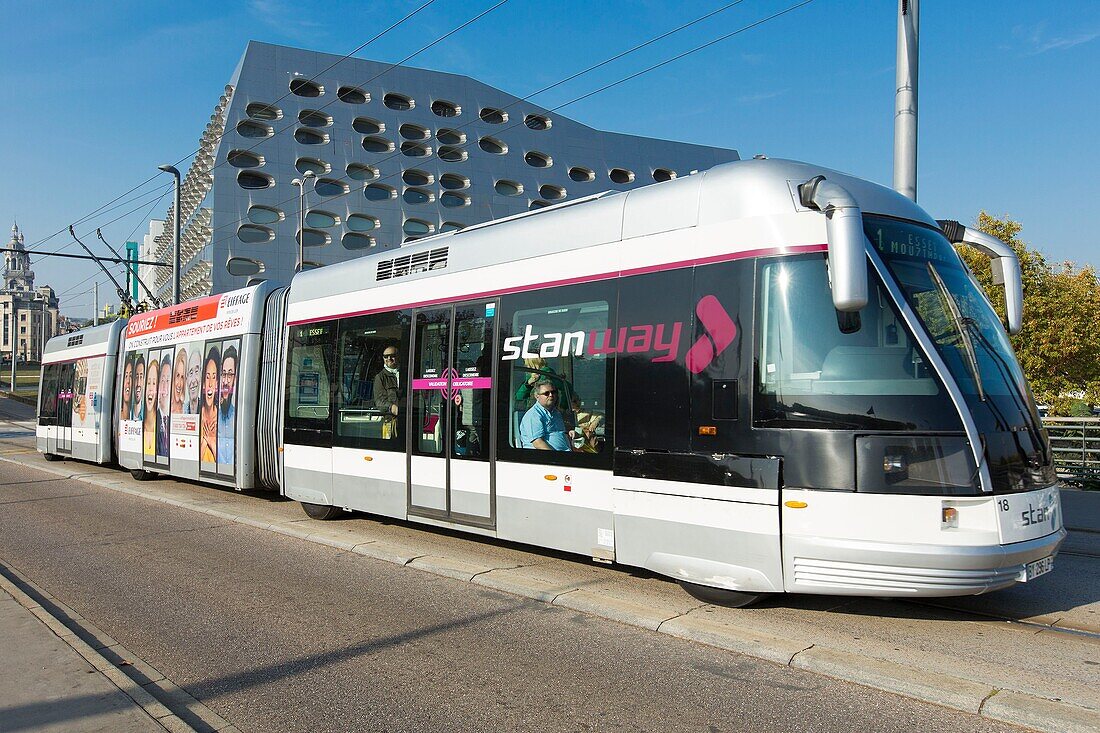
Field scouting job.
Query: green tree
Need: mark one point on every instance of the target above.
(1059, 343)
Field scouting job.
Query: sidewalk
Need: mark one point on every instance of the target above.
(45, 685)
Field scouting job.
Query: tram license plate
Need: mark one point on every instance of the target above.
(1039, 567)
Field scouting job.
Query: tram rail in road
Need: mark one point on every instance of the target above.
(1040, 670)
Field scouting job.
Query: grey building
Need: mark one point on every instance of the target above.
(386, 155)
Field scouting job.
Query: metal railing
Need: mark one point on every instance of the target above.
(1076, 445)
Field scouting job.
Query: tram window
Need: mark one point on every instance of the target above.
(48, 409)
(811, 374)
(310, 367)
(566, 339)
(370, 383)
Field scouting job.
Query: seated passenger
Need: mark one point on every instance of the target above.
(543, 427)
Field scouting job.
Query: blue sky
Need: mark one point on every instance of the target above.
(95, 96)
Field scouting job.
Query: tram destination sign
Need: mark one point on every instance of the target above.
(911, 243)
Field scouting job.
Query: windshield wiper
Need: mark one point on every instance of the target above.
(1033, 430)
(964, 333)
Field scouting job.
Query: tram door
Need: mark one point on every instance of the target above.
(66, 380)
(451, 421)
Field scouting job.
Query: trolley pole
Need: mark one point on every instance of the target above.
(95, 304)
(905, 100)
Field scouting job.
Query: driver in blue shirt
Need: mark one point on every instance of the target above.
(543, 426)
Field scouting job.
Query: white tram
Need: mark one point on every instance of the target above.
(766, 377)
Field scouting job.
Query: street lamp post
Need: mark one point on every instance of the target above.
(301, 184)
(175, 234)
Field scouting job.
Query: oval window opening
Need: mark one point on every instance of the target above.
(453, 181)
(453, 200)
(508, 188)
(538, 122)
(493, 116)
(315, 238)
(317, 167)
(360, 172)
(451, 226)
(621, 175)
(663, 174)
(368, 126)
(362, 223)
(551, 192)
(415, 177)
(248, 128)
(244, 159)
(450, 137)
(330, 187)
(305, 136)
(313, 118)
(254, 181)
(581, 175)
(306, 88)
(417, 227)
(254, 234)
(243, 267)
(264, 215)
(539, 204)
(451, 154)
(536, 159)
(263, 111)
(417, 196)
(399, 102)
(445, 109)
(410, 131)
(377, 145)
(352, 95)
(352, 240)
(379, 192)
(492, 145)
(321, 219)
(416, 150)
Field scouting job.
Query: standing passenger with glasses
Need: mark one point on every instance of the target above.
(543, 427)
(388, 390)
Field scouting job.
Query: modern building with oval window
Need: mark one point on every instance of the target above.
(382, 156)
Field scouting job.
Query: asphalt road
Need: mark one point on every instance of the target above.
(277, 634)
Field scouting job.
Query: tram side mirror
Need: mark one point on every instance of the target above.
(847, 242)
(1003, 261)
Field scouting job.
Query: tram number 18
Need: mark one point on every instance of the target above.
(1003, 503)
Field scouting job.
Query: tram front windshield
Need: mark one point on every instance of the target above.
(970, 339)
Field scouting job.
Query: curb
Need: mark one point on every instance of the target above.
(164, 702)
(978, 698)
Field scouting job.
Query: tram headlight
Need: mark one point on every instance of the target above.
(903, 464)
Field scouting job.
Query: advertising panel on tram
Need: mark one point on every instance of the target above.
(181, 398)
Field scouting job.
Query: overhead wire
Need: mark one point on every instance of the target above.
(587, 95)
(365, 82)
(343, 58)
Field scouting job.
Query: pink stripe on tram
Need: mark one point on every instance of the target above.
(765, 252)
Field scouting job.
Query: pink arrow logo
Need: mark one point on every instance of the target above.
(719, 332)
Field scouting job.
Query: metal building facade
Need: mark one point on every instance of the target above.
(397, 153)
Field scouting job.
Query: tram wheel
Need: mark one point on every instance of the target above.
(321, 511)
(52, 457)
(140, 474)
(720, 596)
